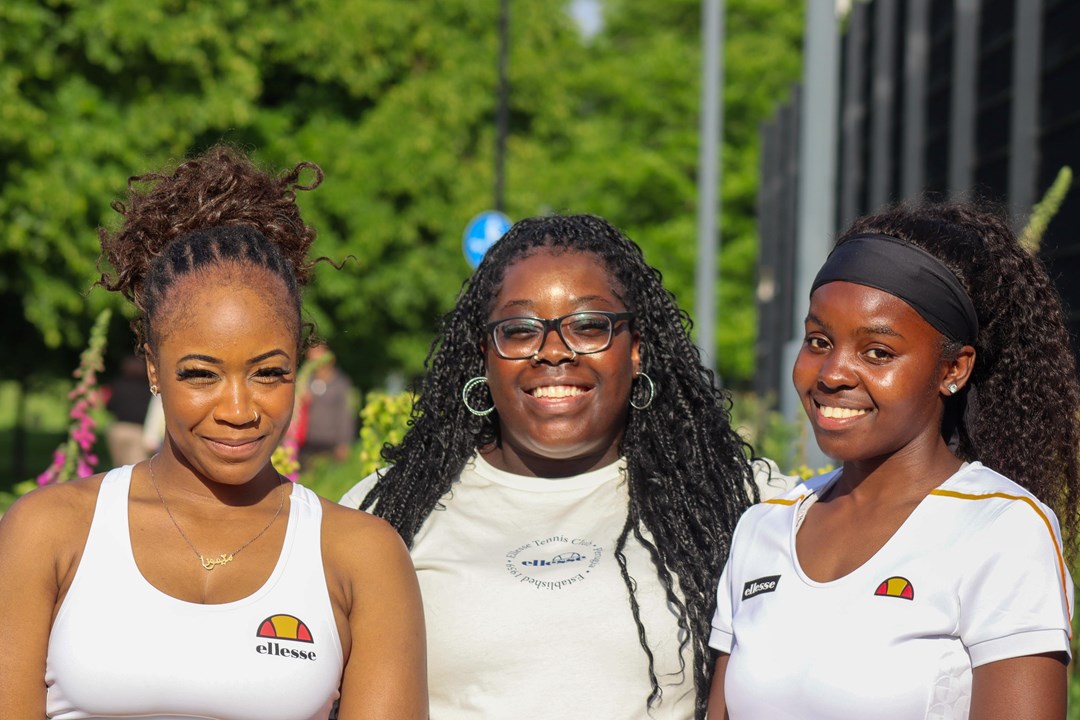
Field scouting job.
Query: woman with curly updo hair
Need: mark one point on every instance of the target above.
(200, 583)
(567, 487)
(927, 577)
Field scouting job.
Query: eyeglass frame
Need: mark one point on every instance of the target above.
(555, 324)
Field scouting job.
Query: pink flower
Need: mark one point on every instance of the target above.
(84, 437)
(78, 410)
(73, 454)
(50, 474)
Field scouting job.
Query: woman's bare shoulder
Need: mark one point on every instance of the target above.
(54, 519)
(67, 502)
(367, 564)
(350, 529)
(362, 550)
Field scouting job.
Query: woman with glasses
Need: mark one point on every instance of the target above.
(568, 486)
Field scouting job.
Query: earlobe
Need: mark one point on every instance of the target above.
(958, 371)
(635, 353)
(151, 366)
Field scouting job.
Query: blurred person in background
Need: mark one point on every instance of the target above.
(327, 409)
(129, 400)
(153, 436)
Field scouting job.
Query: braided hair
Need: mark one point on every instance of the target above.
(1024, 364)
(215, 209)
(688, 472)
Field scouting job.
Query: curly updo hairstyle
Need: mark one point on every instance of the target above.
(1020, 410)
(688, 472)
(216, 208)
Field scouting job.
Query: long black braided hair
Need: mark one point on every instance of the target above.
(688, 472)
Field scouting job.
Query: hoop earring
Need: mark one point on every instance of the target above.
(154, 390)
(652, 393)
(478, 380)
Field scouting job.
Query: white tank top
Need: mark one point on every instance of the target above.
(120, 648)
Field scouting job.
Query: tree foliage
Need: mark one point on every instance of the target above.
(649, 74)
(395, 100)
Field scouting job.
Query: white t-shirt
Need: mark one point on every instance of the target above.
(527, 613)
(974, 575)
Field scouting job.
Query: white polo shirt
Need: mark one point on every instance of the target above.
(974, 575)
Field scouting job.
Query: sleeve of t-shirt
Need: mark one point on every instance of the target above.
(1016, 594)
(722, 636)
(359, 491)
(770, 481)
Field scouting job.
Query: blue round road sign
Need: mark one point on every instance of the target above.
(481, 233)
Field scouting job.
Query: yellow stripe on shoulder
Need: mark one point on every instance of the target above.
(782, 501)
(1038, 511)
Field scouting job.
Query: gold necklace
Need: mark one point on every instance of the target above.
(209, 563)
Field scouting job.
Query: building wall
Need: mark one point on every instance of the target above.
(938, 99)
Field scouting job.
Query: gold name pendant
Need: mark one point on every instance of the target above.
(211, 563)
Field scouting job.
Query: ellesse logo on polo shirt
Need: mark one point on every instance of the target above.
(761, 585)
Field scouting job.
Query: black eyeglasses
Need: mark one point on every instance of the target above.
(517, 338)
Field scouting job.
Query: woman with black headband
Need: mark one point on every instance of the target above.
(925, 578)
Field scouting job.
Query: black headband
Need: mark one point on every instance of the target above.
(908, 272)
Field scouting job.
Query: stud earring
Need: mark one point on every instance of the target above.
(953, 388)
(154, 390)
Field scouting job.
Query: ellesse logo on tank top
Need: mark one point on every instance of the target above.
(288, 628)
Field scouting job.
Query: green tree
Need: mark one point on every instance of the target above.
(639, 150)
(395, 100)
